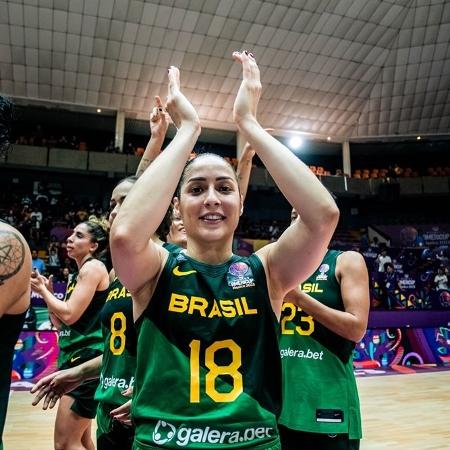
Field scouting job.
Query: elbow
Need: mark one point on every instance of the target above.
(356, 333)
(331, 214)
(328, 217)
(121, 236)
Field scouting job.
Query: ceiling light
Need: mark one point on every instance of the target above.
(418, 138)
(99, 110)
(295, 142)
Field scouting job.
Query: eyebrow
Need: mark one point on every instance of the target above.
(204, 179)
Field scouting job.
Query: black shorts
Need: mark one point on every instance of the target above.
(111, 434)
(300, 440)
(84, 404)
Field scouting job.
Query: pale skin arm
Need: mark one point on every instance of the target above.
(351, 324)
(15, 270)
(137, 260)
(57, 384)
(158, 129)
(302, 246)
(244, 169)
(92, 277)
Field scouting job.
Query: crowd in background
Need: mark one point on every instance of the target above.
(46, 220)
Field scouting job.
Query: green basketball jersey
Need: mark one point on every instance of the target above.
(319, 388)
(119, 339)
(208, 370)
(83, 339)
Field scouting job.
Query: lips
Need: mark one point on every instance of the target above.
(212, 218)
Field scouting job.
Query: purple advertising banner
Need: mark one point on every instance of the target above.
(59, 290)
(416, 235)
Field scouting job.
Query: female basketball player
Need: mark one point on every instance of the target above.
(208, 366)
(117, 365)
(80, 337)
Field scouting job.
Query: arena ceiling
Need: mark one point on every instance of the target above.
(338, 68)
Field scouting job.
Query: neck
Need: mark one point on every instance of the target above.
(157, 240)
(81, 261)
(210, 253)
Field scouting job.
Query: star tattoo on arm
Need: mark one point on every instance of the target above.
(12, 255)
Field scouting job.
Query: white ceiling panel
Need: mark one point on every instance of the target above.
(349, 68)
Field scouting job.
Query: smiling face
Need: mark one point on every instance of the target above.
(80, 243)
(177, 232)
(209, 202)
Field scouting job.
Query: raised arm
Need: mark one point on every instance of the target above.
(302, 246)
(244, 169)
(93, 276)
(136, 259)
(158, 129)
(351, 323)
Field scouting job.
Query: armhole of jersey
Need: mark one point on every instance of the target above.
(339, 253)
(163, 278)
(258, 268)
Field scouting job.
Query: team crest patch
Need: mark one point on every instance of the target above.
(240, 276)
(181, 256)
(323, 269)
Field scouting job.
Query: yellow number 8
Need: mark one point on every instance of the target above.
(118, 333)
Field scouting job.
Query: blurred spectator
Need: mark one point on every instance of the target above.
(53, 261)
(64, 275)
(390, 286)
(36, 262)
(441, 280)
(382, 259)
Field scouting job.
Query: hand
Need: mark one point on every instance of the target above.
(178, 106)
(122, 413)
(247, 98)
(54, 386)
(39, 283)
(158, 120)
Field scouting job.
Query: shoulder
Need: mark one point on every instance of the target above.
(14, 250)
(93, 266)
(350, 260)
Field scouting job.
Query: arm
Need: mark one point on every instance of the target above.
(57, 384)
(91, 276)
(302, 246)
(351, 323)
(244, 169)
(158, 129)
(136, 259)
(15, 270)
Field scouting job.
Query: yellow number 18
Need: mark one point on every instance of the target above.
(215, 371)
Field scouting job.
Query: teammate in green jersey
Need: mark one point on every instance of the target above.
(15, 269)
(116, 366)
(208, 369)
(318, 334)
(78, 321)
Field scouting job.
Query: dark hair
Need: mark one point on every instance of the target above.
(99, 234)
(189, 164)
(6, 118)
(132, 179)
